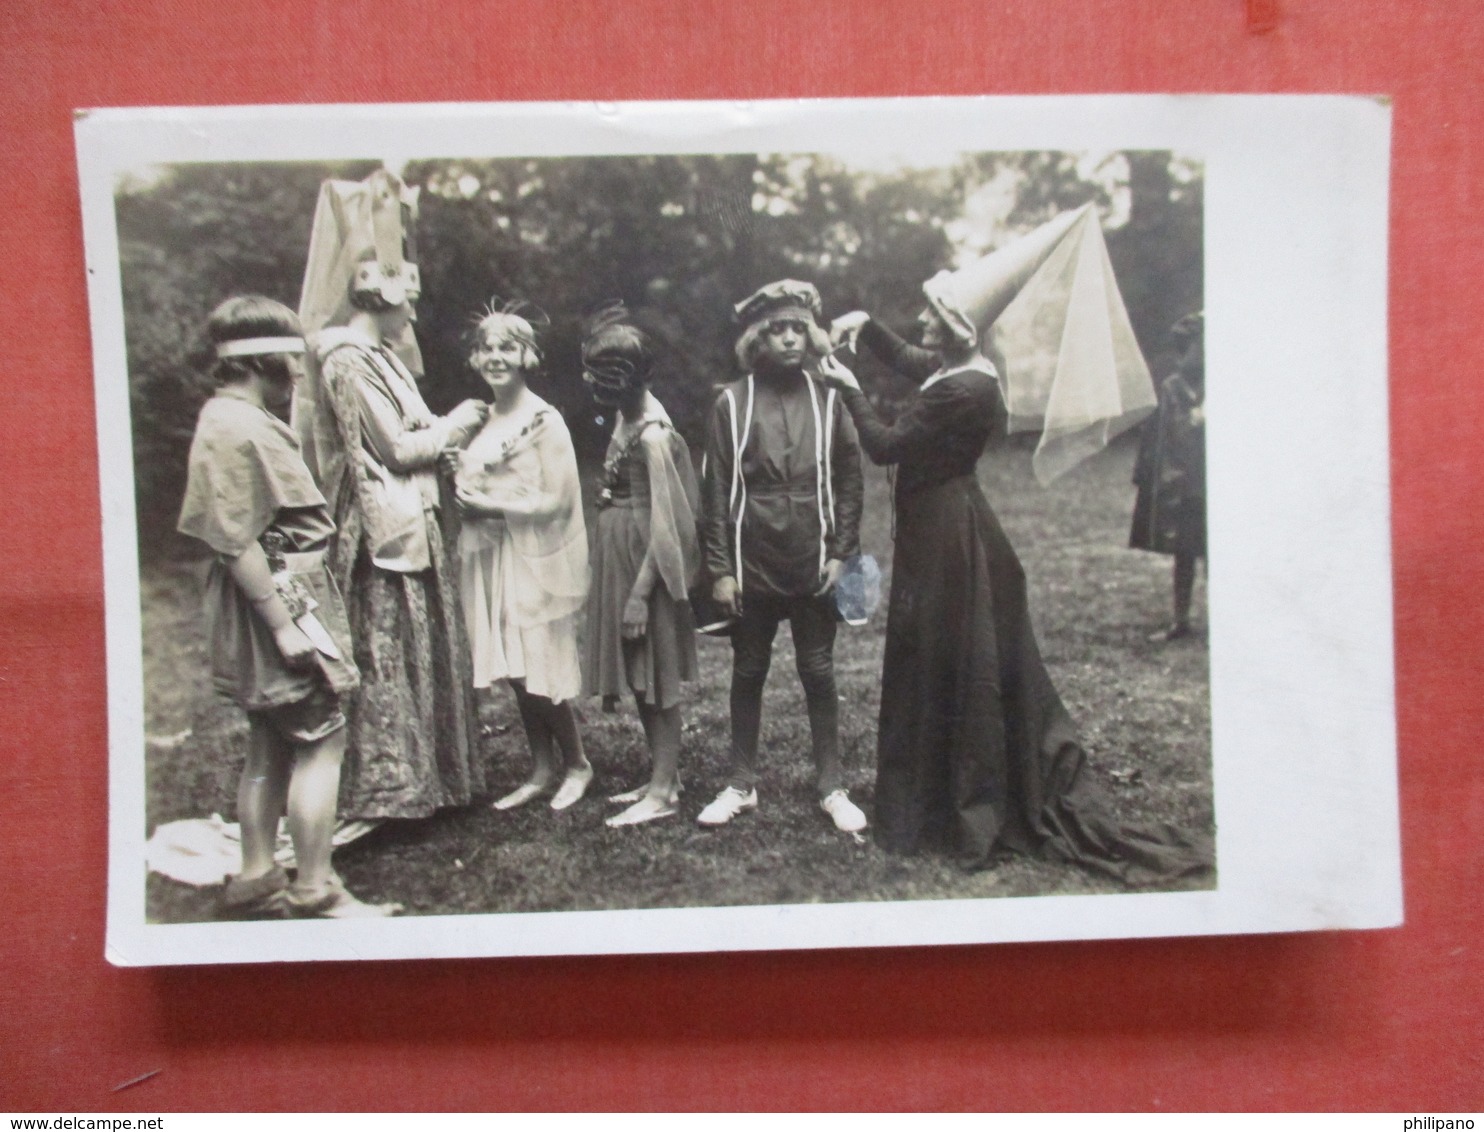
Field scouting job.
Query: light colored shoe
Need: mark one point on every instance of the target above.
(573, 787)
(520, 796)
(847, 815)
(645, 809)
(629, 797)
(331, 901)
(727, 805)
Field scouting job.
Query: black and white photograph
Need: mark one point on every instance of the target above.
(560, 529)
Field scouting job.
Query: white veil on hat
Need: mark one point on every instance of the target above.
(361, 229)
(1049, 304)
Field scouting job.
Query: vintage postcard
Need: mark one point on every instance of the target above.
(588, 528)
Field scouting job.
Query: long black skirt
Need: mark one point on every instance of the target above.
(975, 748)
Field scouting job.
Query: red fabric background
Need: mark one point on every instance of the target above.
(1388, 1019)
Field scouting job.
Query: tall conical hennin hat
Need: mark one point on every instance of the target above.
(1048, 303)
(362, 239)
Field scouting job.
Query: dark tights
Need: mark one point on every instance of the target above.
(812, 623)
(551, 732)
(1184, 588)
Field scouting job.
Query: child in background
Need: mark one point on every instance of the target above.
(278, 638)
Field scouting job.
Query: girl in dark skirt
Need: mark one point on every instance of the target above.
(975, 748)
(640, 631)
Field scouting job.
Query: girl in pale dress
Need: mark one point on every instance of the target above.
(640, 632)
(523, 556)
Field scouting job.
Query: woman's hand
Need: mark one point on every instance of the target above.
(296, 649)
(448, 461)
(836, 374)
(635, 617)
(846, 327)
(475, 505)
(469, 415)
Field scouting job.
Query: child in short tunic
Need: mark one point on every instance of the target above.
(280, 648)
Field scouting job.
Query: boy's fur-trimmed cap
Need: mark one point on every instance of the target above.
(788, 296)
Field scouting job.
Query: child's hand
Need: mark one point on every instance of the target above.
(635, 618)
(724, 592)
(474, 505)
(448, 462)
(829, 577)
(297, 649)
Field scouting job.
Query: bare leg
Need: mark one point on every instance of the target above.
(261, 797)
(311, 806)
(662, 729)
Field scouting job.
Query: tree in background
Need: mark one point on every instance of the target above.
(189, 237)
(679, 238)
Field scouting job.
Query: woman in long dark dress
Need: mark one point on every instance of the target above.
(975, 748)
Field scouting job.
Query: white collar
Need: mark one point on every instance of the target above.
(977, 362)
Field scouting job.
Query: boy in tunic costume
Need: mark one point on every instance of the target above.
(782, 499)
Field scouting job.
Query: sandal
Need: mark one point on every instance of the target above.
(520, 796)
(573, 787)
(260, 898)
(629, 797)
(646, 809)
(331, 901)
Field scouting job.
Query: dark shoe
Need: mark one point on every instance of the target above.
(261, 898)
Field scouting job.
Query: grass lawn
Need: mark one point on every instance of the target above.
(1144, 710)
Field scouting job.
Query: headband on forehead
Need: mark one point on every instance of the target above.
(247, 347)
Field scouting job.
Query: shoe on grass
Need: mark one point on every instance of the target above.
(573, 787)
(846, 814)
(1176, 632)
(261, 898)
(638, 793)
(518, 797)
(646, 809)
(727, 805)
(331, 901)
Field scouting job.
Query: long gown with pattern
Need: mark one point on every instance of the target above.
(413, 746)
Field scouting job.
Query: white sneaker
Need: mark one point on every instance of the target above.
(848, 816)
(727, 805)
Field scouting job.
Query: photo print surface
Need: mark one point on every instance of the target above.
(780, 544)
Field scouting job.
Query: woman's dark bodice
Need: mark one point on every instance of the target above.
(941, 432)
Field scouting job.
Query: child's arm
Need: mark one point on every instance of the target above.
(253, 577)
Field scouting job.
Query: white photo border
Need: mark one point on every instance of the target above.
(1302, 689)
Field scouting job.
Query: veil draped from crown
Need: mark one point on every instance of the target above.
(1048, 303)
(353, 221)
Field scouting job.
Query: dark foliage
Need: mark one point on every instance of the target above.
(678, 238)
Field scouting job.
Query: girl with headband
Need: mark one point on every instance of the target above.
(280, 645)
